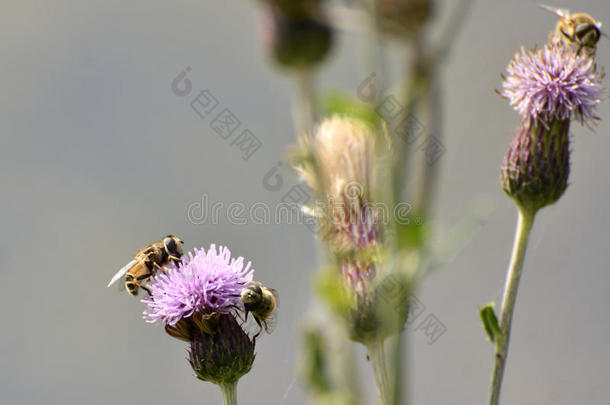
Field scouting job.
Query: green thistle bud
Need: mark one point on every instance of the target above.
(297, 40)
(224, 356)
(536, 168)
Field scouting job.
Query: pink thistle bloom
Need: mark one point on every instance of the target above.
(553, 83)
(205, 282)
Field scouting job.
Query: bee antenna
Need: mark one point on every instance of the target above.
(604, 34)
(553, 10)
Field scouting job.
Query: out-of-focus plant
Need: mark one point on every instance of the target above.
(355, 166)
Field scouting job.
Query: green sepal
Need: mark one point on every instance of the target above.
(490, 322)
(344, 104)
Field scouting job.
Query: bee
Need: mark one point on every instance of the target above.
(262, 302)
(151, 258)
(580, 29)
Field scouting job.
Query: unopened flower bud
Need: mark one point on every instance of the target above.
(198, 300)
(536, 168)
(224, 356)
(297, 40)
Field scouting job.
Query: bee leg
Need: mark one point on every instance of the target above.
(259, 331)
(159, 268)
(238, 315)
(146, 289)
(176, 259)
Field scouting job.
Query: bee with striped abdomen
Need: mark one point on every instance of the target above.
(579, 29)
(151, 258)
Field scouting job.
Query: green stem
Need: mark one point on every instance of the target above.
(397, 350)
(377, 357)
(229, 393)
(524, 226)
(417, 72)
(305, 108)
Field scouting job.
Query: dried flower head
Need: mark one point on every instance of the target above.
(553, 83)
(345, 163)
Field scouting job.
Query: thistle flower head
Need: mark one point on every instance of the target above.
(204, 282)
(197, 299)
(345, 150)
(553, 83)
(342, 170)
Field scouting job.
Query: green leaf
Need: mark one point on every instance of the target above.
(344, 104)
(490, 322)
(412, 234)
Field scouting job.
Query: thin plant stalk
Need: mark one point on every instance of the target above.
(431, 101)
(378, 362)
(524, 226)
(374, 60)
(229, 393)
(305, 108)
(415, 80)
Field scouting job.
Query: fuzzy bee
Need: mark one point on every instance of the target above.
(262, 302)
(579, 29)
(151, 258)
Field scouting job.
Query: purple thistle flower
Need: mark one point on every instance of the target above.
(205, 282)
(553, 83)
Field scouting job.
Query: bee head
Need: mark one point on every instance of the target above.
(173, 245)
(252, 294)
(587, 34)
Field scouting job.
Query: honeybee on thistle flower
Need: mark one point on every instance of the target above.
(577, 29)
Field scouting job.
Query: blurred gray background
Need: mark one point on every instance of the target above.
(99, 157)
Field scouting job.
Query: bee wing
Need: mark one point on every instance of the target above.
(271, 322)
(122, 272)
(557, 11)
